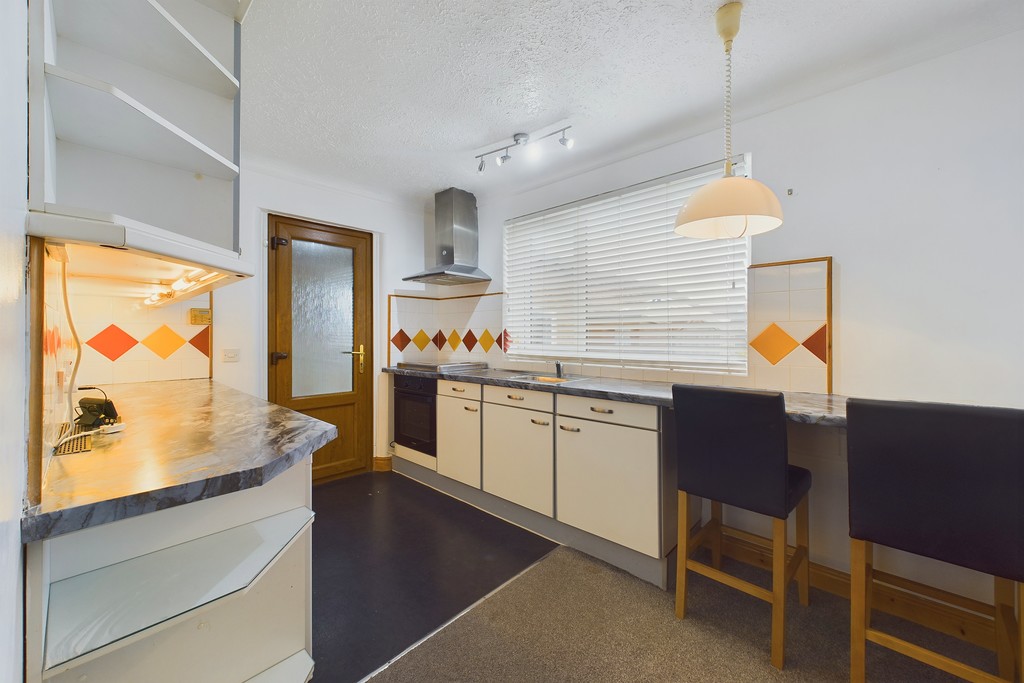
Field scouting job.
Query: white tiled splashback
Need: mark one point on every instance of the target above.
(161, 343)
(787, 330)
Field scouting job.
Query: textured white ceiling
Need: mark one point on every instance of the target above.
(397, 96)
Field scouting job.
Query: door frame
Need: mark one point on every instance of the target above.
(370, 316)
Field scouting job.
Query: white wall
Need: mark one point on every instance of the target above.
(240, 310)
(911, 181)
(13, 143)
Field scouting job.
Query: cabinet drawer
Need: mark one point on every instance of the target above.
(468, 390)
(603, 410)
(519, 398)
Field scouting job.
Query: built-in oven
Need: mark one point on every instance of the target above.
(415, 401)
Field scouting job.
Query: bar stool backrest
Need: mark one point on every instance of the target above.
(731, 446)
(940, 480)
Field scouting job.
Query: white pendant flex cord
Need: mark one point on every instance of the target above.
(78, 343)
(728, 108)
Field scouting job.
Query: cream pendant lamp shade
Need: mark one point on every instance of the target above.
(733, 206)
(728, 208)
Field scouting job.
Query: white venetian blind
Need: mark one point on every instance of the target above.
(606, 280)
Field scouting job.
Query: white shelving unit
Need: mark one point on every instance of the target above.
(158, 42)
(95, 114)
(93, 613)
(133, 117)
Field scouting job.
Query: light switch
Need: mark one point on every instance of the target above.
(231, 355)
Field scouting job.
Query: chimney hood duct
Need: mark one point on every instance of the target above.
(456, 241)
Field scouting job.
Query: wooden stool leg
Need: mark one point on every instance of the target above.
(778, 592)
(682, 553)
(1005, 627)
(716, 538)
(859, 607)
(803, 574)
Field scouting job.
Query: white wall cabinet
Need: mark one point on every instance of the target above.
(608, 481)
(458, 439)
(133, 119)
(518, 454)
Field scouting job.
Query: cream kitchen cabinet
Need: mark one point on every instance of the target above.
(518, 453)
(608, 475)
(458, 437)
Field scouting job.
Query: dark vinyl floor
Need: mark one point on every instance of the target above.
(392, 561)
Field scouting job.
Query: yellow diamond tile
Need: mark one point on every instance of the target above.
(421, 340)
(774, 343)
(164, 342)
(486, 340)
(454, 339)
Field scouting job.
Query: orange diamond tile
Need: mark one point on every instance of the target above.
(486, 340)
(164, 342)
(817, 343)
(454, 339)
(202, 341)
(421, 340)
(469, 340)
(401, 340)
(774, 343)
(113, 342)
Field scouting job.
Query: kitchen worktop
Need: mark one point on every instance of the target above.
(185, 440)
(822, 409)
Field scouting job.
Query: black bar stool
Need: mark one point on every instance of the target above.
(946, 482)
(731, 447)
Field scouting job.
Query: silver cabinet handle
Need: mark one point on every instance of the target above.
(515, 398)
(472, 410)
(542, 423)
(603, 411)
(458, 390)
(568, 429)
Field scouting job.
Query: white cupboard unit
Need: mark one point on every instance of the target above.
(608, 480)
(133, 118)
(458, 439)
(518, 455)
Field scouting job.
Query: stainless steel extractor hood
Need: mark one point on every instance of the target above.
(456, 241)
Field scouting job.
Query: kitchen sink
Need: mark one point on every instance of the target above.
(546, 378)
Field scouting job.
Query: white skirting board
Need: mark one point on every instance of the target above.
(421, 459)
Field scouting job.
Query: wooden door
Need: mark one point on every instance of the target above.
(320, 335)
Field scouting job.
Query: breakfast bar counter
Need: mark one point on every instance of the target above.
(184, 441)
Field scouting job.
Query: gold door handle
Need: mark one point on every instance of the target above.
(472, 410)
(605, 411)
(568, 429)
(362, 356)
(513, 397)
(542, 423)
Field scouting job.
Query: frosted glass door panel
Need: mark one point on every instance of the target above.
(322, 322)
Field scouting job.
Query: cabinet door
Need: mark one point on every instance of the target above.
(519, 456)
(458, 439)
(608, 482)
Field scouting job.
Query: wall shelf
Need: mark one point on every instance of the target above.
(295, 669)
(85, 226)
(156, 41)
(96, 612)
(95, 114)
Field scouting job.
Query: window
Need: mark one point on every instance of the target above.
(607, 281)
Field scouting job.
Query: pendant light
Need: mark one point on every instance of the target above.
(733, 206)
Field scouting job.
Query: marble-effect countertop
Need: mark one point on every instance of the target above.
(185, 440)
(822, 409)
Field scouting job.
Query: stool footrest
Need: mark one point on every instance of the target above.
(729, 580)
(931, 658)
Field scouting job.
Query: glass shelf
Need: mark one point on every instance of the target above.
(97, 609)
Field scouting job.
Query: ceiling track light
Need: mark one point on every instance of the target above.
(521, 140)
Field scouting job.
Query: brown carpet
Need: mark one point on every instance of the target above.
(574, 618)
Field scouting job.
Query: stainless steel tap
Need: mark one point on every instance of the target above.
(558, 369)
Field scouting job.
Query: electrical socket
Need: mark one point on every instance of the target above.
(231, 355)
